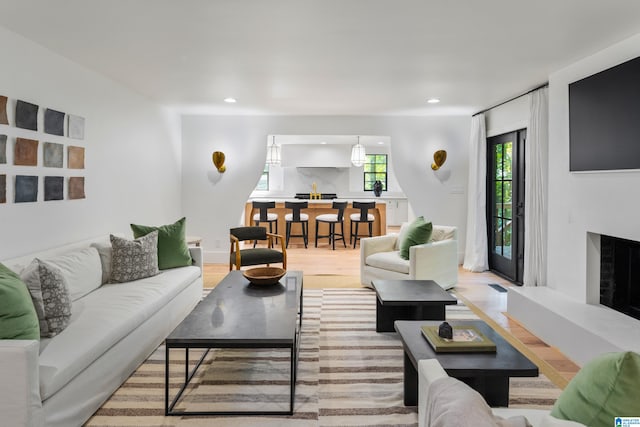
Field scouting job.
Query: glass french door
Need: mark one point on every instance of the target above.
(505, 204)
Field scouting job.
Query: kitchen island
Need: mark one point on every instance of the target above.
(318, 207)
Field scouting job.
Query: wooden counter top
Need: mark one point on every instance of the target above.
(318, 207)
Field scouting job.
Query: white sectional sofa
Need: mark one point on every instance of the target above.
(62, 381)
(436, 260)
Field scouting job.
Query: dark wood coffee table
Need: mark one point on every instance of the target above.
(487, 373)
(248, 323)
(409, 300)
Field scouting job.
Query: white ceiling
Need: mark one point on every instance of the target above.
(344, 57)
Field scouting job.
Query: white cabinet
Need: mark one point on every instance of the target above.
(397, 211)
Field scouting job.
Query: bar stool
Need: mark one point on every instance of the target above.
(296, 217)
(332, 220)
(264, 215)
(358, 218)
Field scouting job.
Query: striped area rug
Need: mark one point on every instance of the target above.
(348, 375)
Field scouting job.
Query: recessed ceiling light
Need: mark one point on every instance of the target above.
(230, 100)
(323, 142)
(433, 100)
(381, 142)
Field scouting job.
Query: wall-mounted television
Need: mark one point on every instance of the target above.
(604, 119)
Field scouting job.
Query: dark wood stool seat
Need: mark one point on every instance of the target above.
(264, 216)
(297, 217)
(364, 217)
(333, 220)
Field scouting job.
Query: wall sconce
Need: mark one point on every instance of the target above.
(439, 157)
(218, 161)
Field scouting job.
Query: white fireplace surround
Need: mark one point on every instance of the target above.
(580, 330)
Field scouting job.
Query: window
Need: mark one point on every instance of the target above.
(375, 169)
(263, 183)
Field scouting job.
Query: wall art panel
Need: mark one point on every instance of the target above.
(26, 189)
(76, 187)
(3, 188)
(76, 127)
(26, 152)
(3, 149)
(53, 188)
(53, 122)
(26, 115)
(3, 111)
(75, 157)
(52, 154)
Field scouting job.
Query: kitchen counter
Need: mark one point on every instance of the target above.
(318, 207)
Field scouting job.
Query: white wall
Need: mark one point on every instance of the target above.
(602, 202)
(508, 117)
(132, 159)
(346, 182)
(214, 202)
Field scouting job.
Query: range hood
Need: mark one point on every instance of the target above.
(316, 155)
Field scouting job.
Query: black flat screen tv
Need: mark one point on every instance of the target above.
(604, 119)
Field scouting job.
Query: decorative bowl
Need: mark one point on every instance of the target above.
(264, 275)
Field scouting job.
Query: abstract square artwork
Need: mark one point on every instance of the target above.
(26, 188)
(3, 149)
(52, 154)
(75, 158)
(26, 152)
(26, 115)
(3, 111)
(53, 122)
(76, 187)
(53, 188)
(76, 127)
(3, 188)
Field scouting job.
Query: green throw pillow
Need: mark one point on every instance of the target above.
(606, 387)
(417, 233)
(173, 250)
(18, 318)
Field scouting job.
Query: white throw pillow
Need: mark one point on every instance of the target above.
(82, 270)
(549, 421)
(106, 253)
(452, 403)
(401, 235)
(441, 233)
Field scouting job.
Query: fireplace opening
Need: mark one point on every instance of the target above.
(620, 275)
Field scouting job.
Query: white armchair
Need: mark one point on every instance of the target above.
(436, 260)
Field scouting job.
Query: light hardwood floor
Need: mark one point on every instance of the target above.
(472, 288)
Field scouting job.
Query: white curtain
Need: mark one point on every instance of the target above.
(476, 257)
(535, 192)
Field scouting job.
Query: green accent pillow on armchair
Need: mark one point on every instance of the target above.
(173, 250)
(604, 388)
(18, 318)
(417, 233)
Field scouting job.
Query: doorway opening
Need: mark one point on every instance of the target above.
(505, 204)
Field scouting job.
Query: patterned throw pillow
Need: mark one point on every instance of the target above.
(134, 259)
(50, 295)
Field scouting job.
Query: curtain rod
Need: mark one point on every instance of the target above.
(511, 99)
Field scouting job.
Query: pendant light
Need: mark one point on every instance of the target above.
(358, 155)
(273, 153)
